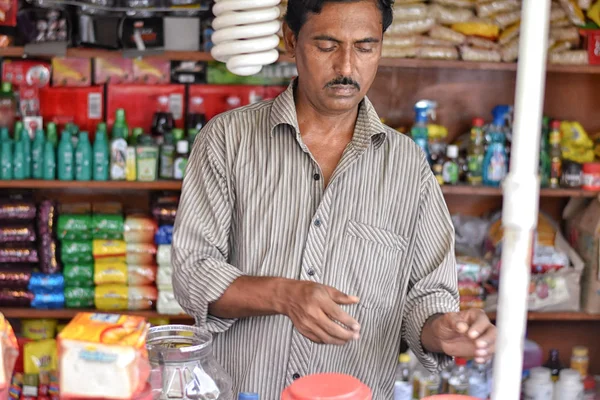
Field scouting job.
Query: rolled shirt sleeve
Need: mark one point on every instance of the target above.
(200, 250)
(433, 287)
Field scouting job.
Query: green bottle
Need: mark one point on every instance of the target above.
(192, 133)
(27, 153)
(19, 161)
(52, 133)
(37, 155)
(147, 159)
(4, 135)
(544, 167)
(101, 127)
(178, 134)
(66, 162)
(83, 158)
(101, 155)
(49, 172)
(121, 123)
(181, 160)
(135, 136)
(118, 154)
(167, 157)
(17, 132)
(6, 160)
(74, 130)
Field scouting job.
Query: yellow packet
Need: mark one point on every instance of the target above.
(594, 13)
(39, 329)
(39, 356)
(477, 28)
(159, 321)
(111, 297)
(110, 273)
(109, 248)
(59, 328)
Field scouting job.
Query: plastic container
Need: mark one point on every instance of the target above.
(478, 382)
(580, 360)
(327, 387)
(532, 355)
(539, 386)
(459, 381)
(403, 386)
(591, 176)
(569, 386)
(66, 162)
(83, 158)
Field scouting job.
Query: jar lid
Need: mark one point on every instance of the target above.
(327, 387)
(591, 167)
(580, 351)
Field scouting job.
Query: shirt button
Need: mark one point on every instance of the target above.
(296, 376)
(310, 272)
(317, 222)
(316, 177)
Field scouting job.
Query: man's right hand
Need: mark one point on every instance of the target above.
(316, 313)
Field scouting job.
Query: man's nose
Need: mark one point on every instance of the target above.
(344, 62)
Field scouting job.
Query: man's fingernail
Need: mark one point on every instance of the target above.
(480, 360)
(356, 327)
(473, 334)
(461, 326)
(481, 353)
(354, 299)
(356, 336)
(481, 344)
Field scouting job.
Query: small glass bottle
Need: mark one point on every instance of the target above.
(554, 364)
(459, 381)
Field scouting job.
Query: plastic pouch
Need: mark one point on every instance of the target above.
(410, 12)
(570, 35)
(48, 301)
(74, 227)
(108, 248)
(456, 3)
(163, 256)
(76, 252)
(9, 349)
(573, 57)
(14, 279)
(17, 233)
(164, 277)
(443, 33)
(510, 52)
(449, 15)
(107, 226)
(38, 329)
(14, 209)
(140, 230)
(480, 43)
(497, 7)
(164, 235)
(470, 54)
(18, 253)
(573, 11)
(399, 52)
(46, 218)
(79, 297)
(79, 275)
(15, 298)
(439, 53)
(46, 283)
(484, 29)
(508, 19)
(141, 275)
(110, 273)
(49, 263)
(510, 33)
(412, 27)
(141, 253)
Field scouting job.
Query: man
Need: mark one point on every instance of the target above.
(311, 237)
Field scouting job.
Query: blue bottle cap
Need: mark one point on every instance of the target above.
(248, 396)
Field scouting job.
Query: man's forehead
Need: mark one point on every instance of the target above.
(355, 19)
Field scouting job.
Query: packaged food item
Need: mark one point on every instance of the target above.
(140, 253)
(110, 273)
(15, 209)
(508, 19)
(573, 11)
(510, 51)
(108, 227)
(480, 43)
(140, 229)
(79, 297)
(15, 278)
(469, 288)
(49, 263)
(559, 47)
(15, 298)
(399, 41)
(468, 53)
(16, 386)
(11, 233)
(76, 252)
(441, 53)
(410, 12)
(164, 209)
(46, 283)
(164, 277)
(575, 57)
(9, 349)
(456, 3)
(151, 71)
(557, 13)
(565, 35)
(46, 218)
(167, 304)
(163, 255)
(40, 356)
(74, 227)
(590, 178)
(47, 301)
(38, 329)
(113, 70)
(449, 15)
(497, 7)
(109, 248)
(441, 32)
(412, 27)
(111, 297)
(510, 33)
(141, 297)
(483, 29)
(429, 41)
(18, 253)
(472, 269)
(71, 72)
(103, 356)
(141, 275)
(164, 235)
(399, 52)
(79, 275)
(560, 23)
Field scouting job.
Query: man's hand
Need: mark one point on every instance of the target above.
(315, 312)
(468, 334)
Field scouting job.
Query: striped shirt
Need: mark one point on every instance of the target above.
(252, 204)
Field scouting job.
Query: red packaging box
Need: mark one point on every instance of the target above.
(113, 70)
(141, 101)
(221, 98)
(592, 43)
(26, 72)
(151, 71)
(82, 106)
(71, 72)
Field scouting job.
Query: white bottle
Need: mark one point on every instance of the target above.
(459, 381)
(403, 388)
(569, 385)
(539, 386)
(478, 383)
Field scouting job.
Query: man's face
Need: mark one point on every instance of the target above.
(337, 53)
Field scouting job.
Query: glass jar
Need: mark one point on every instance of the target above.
(183, 366)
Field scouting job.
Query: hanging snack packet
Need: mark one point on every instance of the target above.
(9, 349)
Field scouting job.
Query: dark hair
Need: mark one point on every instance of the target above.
(297, 11)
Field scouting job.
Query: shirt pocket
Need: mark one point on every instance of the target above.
(372, 264)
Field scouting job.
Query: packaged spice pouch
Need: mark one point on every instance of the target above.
(472, 269)
(141, 275)
(439, 53)
(468, 53)
(15, 278)
(49, 263)
(108, 248)
(74, 227)
(140, 229)
(163, 255)
(16, 209)
(480, 43)
(46, 218)
(79, 297)
(167, 303)
(79, 275)
(40, 356)
(38, 329)
(16, 386)
(443, 33)
(18, 253)
(9, 350)
(110, 273)
(107, 226)
(510, 33)
(573, 11)
(565, 35)
(410, 12)
(449, 15)
(469, 288)
(497, 7)
(164, 277)
(510, 51)
(15, 298)
(76, 252)
(46, 301)
(412, 27)
(507, 19)
(164, 235)
(140, 253)
(10, 233)
(46, 283)
(429, 41)
(456, 3)
(399, 52)
(482, 28)
(399, 41)
(573, 57)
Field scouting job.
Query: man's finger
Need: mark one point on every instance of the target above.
(341, 298)
(458, 322)
(326, 338)
(335, 330)
(337, 314)
(479, 325)
(487, 340)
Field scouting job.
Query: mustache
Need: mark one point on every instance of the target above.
(343, 80)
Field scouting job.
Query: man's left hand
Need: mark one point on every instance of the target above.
(468, 334)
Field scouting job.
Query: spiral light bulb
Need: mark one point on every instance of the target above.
(245, 34)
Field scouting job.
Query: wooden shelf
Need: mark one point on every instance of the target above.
(556, 316)
(93, 185)
(486, 191)
(16, 312)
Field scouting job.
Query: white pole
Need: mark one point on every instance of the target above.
(521, 195)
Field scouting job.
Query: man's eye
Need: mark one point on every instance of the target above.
(365, 49)
(326, 49)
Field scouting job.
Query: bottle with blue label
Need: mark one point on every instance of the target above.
(419, 131)
(495, 162)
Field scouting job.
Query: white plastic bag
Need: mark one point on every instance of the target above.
(497, 7)
(441, 32)
(410, 12)
(468, 53)
(450, 15)
(437, 53)
(411, 27)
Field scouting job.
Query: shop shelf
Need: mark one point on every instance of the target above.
(465, 190)
(16, 312)
(107, 185)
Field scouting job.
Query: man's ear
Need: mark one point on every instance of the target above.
(289, 39)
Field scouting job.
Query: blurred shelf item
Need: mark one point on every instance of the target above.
(16, 312)
(465, 190)
(90, 185)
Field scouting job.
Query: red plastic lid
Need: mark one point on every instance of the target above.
(327, 387)
(460, 361)
(591, 168)
(555, 124)
(478, 122)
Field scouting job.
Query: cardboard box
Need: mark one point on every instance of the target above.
(71, 72)
(151, 71)
(113, 70)
(82, 106)
(26, 72)
(583, 224)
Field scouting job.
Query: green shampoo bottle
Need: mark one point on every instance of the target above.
(83, 158)
(4, 134)
(6, 160)
(19, 161)
(49, 172)
(66, 162)
(17, 132)
(27, 153)
(52, 133)
(101, 156)
(37, 155)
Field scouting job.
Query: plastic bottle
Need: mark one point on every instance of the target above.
(403, 388)
(181, 160)
(52, 133)
(495, 162)
(49, 172)
(178, 134)
(167, 157)
(4, 134)
(6, 160)
(445, 379)
(83, 158)
(544, 156)
(19, 161)
(539, 386)
(196, 118)
(37, 154)
(101, 156)
(429, 385)
(568, 386)
(248, 396)
(450, 170)
(17, 130)
(131, 172)
(27, 153)
(459, 381)
(121, 123)
(475, 153)
(532, 356)
(118, 154)
(162, 121)
(555, 154)
(553, 364)
(419, 131)
(478, 382)
(147, 159)
(66, 157)
(135, 135)
(8, 105)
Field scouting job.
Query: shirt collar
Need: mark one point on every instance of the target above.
(368, 128)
